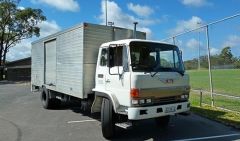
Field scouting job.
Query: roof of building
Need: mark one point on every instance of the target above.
(25, 62)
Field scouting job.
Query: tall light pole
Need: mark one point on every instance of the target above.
(209, 67)
(106, 12)
(199, 65)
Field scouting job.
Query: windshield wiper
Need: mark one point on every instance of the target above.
(155, 69)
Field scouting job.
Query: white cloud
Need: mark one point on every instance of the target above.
(64, 5)
(20, 7)
(196, 3)
(214, 51)
(47, 28)
(185, 25)
(232, 41)
(122, 19)
(23, 49)
(140, 10)
(193, 43)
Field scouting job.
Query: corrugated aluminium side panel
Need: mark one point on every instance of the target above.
(141, 35)
(89, 78)
(37, 64)
(94, 36)
(70, 62)
(122, 33)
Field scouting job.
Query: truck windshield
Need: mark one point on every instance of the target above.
(155, 57)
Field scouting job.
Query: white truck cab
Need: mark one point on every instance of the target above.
(140, 79)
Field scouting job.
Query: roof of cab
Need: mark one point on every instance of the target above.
(128, 41)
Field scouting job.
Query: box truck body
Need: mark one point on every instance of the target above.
(66, 61)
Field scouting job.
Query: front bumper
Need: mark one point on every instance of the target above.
(138, 113)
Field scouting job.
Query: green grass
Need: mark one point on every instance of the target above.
(225, 81)
(226, 117)
(219, 101)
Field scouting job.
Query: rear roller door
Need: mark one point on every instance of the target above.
(50, 62)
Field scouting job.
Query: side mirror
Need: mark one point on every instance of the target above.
(110, 60)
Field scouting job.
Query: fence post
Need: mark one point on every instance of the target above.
(209, 68)
(200, 97)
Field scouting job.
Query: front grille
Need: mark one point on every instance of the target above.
(166, 100)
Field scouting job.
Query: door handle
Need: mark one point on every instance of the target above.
(107, 81)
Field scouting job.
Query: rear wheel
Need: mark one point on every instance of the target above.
(107, 119)
(162, 121)
(47, 101)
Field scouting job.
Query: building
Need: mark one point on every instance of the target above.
(19, 70)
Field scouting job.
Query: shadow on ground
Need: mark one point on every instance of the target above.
(5, 82)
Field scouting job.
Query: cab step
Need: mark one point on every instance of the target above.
(124, 125)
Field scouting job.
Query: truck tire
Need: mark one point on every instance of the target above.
(162, 121)
(47, 103)
(107, 119)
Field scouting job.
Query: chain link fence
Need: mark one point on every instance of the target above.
(211, 54)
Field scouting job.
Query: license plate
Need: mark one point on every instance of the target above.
(170, 109)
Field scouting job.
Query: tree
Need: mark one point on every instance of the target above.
(15, 25)
(226, 56)
(236, 62)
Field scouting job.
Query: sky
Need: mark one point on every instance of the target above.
(160, 19)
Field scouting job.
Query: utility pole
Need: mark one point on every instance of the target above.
(199, 65)
(106, 12)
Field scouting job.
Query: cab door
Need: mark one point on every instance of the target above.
(101, 69)
(117, 80)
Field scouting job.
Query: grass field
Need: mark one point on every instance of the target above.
(226, 117)
(219, 101)
(225, 81)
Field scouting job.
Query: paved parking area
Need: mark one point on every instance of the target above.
(23, 119)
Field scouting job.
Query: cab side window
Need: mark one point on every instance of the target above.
(103, 58)
(118, 56)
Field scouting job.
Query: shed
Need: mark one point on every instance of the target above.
(19, 70)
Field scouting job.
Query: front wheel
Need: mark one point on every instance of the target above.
(107, 119)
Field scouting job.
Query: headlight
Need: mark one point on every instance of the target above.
(134, 102)
(184, 96)
(141, 101)
(149, 101)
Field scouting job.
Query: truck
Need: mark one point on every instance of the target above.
(108, 71)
